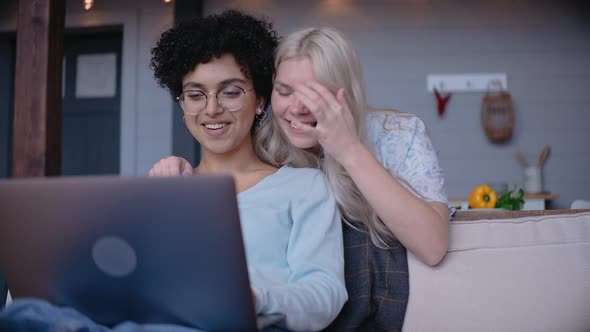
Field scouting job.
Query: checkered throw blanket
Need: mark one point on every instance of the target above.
(377, 282)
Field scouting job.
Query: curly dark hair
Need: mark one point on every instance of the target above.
(250, 40)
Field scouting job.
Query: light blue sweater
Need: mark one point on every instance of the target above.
(293, 240)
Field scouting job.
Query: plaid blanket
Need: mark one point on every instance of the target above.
(378, 286)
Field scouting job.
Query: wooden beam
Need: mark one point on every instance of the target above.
(37, 90)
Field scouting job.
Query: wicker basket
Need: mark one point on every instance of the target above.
(497, 115)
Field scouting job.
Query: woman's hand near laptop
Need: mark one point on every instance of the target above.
(171, 166)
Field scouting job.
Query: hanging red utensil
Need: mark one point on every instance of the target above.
(441, 101)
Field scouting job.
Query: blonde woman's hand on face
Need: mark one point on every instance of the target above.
(171, 166)
(335, 129)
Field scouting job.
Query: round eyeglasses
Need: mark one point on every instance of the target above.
(231, 98)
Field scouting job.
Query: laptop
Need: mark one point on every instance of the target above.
(148, 250)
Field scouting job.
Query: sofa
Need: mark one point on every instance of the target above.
(506, 271)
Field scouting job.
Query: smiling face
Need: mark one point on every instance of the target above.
(285, 105)
(217, 130)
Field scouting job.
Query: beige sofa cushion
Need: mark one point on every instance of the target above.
(525, 274)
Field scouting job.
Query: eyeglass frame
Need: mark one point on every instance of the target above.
(207, 94)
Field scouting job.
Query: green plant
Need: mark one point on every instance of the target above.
(510, 200)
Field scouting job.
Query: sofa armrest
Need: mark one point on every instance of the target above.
(517, 274)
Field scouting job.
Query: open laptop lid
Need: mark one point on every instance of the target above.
(150, 250)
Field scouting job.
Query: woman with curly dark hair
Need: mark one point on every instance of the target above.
(220, 69)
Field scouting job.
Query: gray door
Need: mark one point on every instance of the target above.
(91, 103)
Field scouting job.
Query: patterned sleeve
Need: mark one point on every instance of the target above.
(405, 149)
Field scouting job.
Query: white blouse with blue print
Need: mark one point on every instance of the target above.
(400, 142)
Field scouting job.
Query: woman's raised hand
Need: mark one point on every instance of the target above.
(171, 166)
(335, 129)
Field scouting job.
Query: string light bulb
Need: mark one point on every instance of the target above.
(88, 4)
(167, 1)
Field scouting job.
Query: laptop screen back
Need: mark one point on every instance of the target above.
(150, 250)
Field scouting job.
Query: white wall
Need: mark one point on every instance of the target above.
(543, 46)
(146, 120)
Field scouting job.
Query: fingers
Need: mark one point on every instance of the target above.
(311, 100)
(311, 105)
(346, 113)
(340, 97)
(327, 95)
(320, 101)
(305, 128)
(172, 170)
(171, 166)
(186, 168)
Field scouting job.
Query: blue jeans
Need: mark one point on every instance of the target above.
(28, 315)
(31, 315)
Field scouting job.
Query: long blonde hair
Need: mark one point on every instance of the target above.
(336, 66)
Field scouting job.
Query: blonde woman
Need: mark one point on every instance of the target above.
(381, 166)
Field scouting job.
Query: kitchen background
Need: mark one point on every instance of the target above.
(542, 46)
